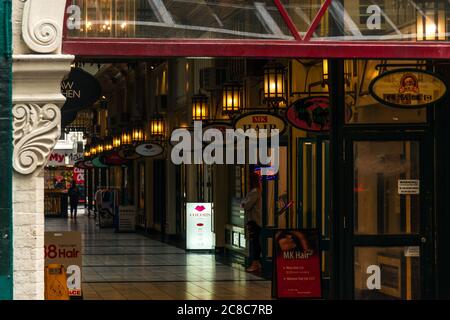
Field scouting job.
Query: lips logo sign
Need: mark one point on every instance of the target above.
(200, 208)
(200, 224)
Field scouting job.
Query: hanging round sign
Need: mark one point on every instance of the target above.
(97, 163)
(310, 114)
(113, 159)
(128, 153)
(408, 88)
(149, 149)
(259, 120)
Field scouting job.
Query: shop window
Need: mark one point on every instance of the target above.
(179, 19)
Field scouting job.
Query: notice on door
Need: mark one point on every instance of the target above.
(408, 187)
(64, 249)
(297, 272)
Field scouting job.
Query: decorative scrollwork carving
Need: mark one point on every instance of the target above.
(36, 132)
(42, 28)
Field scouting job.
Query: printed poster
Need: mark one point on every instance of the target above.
(297, 270)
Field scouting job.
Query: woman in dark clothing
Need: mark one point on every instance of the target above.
(252, 205)
(74, 195)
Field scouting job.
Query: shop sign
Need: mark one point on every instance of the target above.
(78, 176)
(128, 153)
(199, 235)
(297, 271)
(408, 88)
(260, 120)
(81, 90)
(61, 158)
(64, 248)
(97, 163)
(150, 150)
(113, 159)
(310, 114)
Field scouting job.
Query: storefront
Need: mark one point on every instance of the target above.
(345, 167)
(360, 89)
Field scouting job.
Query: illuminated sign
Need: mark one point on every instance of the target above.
(199, 235)
(407, 88)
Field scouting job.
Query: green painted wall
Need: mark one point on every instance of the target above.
(5, 152)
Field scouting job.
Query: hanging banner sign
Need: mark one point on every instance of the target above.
(128, 153)
(260, 120)
(408, 88)
(81, 90)
(310, 114)
(150, 150)
(297, 271)
(64, 248)
(199, 235)
(78, 176)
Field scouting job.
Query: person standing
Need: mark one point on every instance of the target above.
(252, 204)
(74, 195)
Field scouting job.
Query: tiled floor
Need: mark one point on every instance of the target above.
(131, 266)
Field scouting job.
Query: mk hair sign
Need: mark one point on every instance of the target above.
(213, 146)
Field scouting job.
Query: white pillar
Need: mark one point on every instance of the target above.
(38, 68)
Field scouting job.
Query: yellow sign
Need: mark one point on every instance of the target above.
(56, 282)
(261, 120)
(408, 88)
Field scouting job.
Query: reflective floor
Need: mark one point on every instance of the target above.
(127, 266)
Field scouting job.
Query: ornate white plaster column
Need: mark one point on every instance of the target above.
(38, 68)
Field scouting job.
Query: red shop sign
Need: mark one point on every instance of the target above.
(297, 271)
(310, 114)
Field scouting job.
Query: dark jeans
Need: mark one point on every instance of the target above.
(254, 231)
(73, 208)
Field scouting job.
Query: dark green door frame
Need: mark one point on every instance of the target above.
(6, 259)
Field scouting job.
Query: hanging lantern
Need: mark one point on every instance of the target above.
(232, 98)
(100, 148)
(274, 82)
(200, 107)
(125, 138)
(137, 134)
(87, 153)
(158, 127)
(431, 20)
(108, 145)
(116, 142)
(93, 150)
(325, 70)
